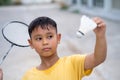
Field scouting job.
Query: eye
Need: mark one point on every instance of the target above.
(50, 36)
(38, 38)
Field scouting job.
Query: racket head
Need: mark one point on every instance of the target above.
(16, 33)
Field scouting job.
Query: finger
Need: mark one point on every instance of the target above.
(97, 20)
(101, 25)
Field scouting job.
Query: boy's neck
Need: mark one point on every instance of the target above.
(47, 62)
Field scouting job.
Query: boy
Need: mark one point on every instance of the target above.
(44, 38)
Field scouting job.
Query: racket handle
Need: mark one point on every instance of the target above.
(6, 54)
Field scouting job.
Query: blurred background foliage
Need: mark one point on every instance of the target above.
(9, 2)
(5, 2)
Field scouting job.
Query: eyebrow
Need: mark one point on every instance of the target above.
(49, 33)
(39, 35)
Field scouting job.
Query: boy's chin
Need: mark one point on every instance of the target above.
(47, 54)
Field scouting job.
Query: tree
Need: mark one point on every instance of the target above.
(5, 2)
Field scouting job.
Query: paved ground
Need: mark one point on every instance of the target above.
(21, 59)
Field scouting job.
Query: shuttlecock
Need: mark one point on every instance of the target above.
(86, 25)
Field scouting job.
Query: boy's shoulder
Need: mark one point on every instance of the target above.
(75, 57)
(31, 70)
(71, 58)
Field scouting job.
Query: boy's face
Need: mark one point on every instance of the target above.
(45, 41)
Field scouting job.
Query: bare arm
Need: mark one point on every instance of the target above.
(1, 74)
(100, 50)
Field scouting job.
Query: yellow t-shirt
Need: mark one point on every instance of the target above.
(66, 68)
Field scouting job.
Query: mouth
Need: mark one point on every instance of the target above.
(46, 49)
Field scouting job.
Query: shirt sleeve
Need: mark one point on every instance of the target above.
(25, 76)
(78, 65)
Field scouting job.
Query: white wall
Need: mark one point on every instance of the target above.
(35, 1)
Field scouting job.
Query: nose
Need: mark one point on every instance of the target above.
(45, 42)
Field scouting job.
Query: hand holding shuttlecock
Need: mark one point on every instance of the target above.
(86, 25)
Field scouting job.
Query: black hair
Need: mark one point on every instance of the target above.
(43, 22)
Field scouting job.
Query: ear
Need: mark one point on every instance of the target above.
(30, 43)
(58, 38)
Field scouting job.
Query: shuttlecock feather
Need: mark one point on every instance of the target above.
(86, 25)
